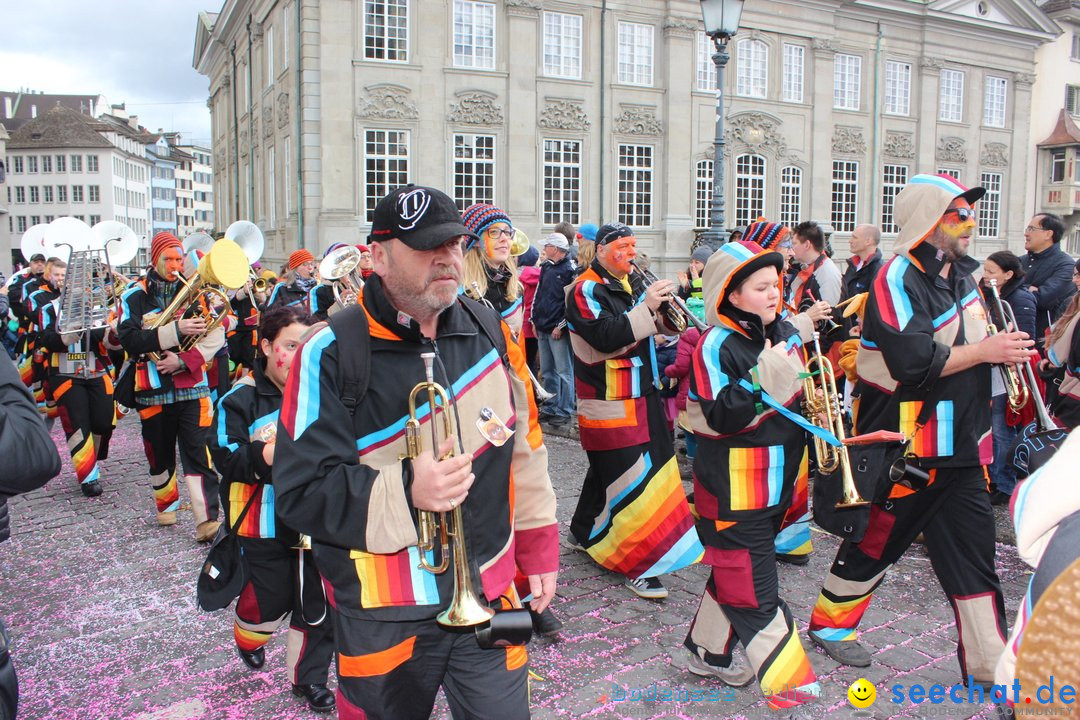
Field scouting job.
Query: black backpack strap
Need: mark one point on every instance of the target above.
(490, 323)
(350, 326)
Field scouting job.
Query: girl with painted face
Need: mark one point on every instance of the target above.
(490, 271)
(283, 580)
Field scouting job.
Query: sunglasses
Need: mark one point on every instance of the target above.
(962, 214)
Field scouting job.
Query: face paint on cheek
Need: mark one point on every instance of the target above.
(955, 229)
(489, 246)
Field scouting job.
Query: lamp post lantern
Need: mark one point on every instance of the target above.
(721, 22)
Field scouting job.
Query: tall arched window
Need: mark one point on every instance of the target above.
(751, 68)
(790, 196)
(749, 189)
(703, 190)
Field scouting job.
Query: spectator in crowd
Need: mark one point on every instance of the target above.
(1004, 268)
(1048, 270)
(862, 266)
(690, 279)
(529, 275)
(23, 436)
(549, 318)
(1063, 352)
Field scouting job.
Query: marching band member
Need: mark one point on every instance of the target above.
(242, 445)
(339, 476)
(749, 460)
(645, 530)
(924, 335)
(1063, 351)
(298, 281)
(321, 297)
(79, 383)
(241, 339)
(172, 393)
(16, 288)
(490, 266)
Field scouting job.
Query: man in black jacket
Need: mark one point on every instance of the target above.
(862, 266)
(1047, 270)
(23, 436)
(549, 319)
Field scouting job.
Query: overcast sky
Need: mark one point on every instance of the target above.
(136, 52)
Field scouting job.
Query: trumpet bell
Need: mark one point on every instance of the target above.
(33, 241)
(225, 264)
(520, 244)
(118, 239)
(339, 263)
(249, 237)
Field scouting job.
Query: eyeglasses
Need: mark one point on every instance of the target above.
(962, 214)
(1033, 228)
(494, 233)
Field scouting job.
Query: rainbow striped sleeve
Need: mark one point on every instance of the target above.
(300, 407)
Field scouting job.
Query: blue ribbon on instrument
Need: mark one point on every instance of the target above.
(796, 418)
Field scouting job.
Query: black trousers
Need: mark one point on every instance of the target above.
(87, 414)
(393, 670)
(274, 591)
(185, 423)
(955, 517)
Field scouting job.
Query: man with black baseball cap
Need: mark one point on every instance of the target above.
(358, 502)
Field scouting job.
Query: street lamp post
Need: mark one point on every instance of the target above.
(721, 22)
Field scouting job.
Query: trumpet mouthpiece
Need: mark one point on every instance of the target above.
(429, 365)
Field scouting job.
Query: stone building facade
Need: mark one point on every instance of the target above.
(597, 110)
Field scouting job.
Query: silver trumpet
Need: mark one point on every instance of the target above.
(542, 395)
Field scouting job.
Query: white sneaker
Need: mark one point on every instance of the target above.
(649, 588)
(737, 674)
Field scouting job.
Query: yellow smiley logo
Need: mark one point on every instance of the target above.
(862, 693)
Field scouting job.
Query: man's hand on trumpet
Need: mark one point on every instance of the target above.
(441, 485)
(819, 311)
(658, 293)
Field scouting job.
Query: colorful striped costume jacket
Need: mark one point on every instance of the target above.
(913, 318)
(244, 422)
(615, 366)
(59, 347)
(342, 479)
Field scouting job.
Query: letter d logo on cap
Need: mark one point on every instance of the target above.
(411, 207)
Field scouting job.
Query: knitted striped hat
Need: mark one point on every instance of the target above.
(299, 257)
(766, 234)
(479, 217)
(161, 242)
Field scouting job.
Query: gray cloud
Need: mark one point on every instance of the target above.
(137, 52)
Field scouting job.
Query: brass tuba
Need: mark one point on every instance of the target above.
(223, 268)
(824, 411)
(339, 269)
(466, 608)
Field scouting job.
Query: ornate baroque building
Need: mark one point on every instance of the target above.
(595, 110)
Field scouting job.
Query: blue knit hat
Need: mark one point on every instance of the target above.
(479, 217)
(588, 231)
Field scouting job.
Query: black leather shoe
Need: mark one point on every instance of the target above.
(91, 489)
(793, 559)
(318, 697)
(254, 659)
(545, 623)
(1000, 498)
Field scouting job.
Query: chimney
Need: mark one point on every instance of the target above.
(8, 110)
(33, 111)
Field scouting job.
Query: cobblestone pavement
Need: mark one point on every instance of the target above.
(101, 606)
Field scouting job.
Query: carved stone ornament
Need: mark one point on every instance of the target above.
(282, 109)
(824, 44)
(523, 8)
(756, 131)
(257, 30)
(848, 140)
(563, 115)
(226, 80)
(1023, 78)
(951, 149)
(638, 120)
(254, 124)
(244, 143)
(682, 27)
(387, 102)
(475, 109)
(899, 145)
(268, 121)
(995, 154)
(931, 63)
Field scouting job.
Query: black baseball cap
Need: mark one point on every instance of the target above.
(421, 217)
(37, 257)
